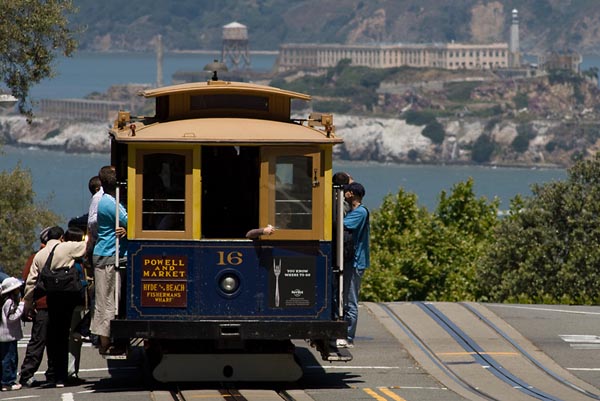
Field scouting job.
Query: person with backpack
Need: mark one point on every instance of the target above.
(56, 255)
(356, 223)
(36, 312)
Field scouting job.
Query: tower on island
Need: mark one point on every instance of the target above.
(513, 48)
(159, 60)
(234, 52)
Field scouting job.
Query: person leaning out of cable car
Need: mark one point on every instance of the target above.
(105, 260)
(357, 222)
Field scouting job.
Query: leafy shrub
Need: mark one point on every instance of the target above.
(551, 146)
(417, 255)
(492, 122)
(413, 155)
(521, 100)
(414, 117)
(20, 220)
(434, 131)
(460, 91)
(547, 250)
(525, 133)
(495, 110)
(52, 134)
(482, 149)
(578, 94)
(520, 144)
(563, 76)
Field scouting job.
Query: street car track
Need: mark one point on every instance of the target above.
(526, 354)
(444, 331)
(230, 394)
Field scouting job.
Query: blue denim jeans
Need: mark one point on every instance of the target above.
(352, 279)
(8, 353)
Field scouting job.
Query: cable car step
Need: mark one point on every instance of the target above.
(339, 355)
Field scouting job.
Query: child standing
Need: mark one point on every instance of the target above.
(10, 331)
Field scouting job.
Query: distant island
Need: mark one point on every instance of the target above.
(408, 115)
(446, 102)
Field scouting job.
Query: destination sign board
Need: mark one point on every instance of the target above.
(164, 281)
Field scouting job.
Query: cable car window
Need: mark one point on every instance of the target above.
(293, 192)
(163, 194)
(230, 190)
(245, 102)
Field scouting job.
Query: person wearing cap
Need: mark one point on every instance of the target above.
(339, 180)
(10, 331)
(37, 314)
(357, 222)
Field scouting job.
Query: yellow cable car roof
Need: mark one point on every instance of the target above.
(224, 130)
(221, 87)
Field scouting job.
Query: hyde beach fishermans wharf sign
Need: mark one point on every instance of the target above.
(164, 281)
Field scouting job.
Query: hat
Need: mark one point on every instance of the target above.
(9, 284)
(44, 235)
(356, 188)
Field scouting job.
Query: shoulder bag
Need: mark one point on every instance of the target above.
(62, 279)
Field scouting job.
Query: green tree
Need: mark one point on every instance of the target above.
(434, 131)
(521, 100)
(414, 117)
(20, 220)
(483, 148)
(521, 143)
(417, 255)
(548, 249)
(32, 32)
(591, 72)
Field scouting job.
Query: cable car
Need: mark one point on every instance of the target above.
(216, 160)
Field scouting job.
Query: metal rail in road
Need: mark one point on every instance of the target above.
(230, 394)
(461, 346)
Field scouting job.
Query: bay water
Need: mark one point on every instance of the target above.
(60, 179)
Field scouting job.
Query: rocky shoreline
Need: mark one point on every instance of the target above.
(383, 140)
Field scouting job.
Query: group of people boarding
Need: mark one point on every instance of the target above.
(62, 319)
(59, 318)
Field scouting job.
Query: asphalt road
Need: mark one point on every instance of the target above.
(385, 365)
(570, 335)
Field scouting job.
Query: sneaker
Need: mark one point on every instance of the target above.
(31, 382)
(349, 344)
(341, 343)
(12, 387)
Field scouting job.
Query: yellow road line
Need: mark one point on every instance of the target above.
(391, 394)
(373, 394)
